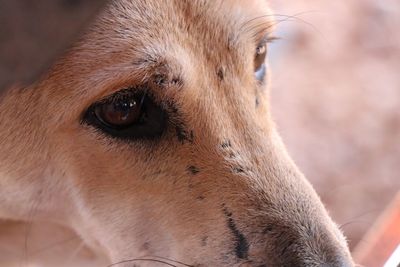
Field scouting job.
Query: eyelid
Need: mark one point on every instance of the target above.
(267, 39)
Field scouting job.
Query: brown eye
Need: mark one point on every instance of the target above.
(259, 62)
(130, 114)
(119, 113)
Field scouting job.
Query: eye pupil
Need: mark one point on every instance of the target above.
(119, 113)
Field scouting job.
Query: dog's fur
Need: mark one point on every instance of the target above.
(216, 189)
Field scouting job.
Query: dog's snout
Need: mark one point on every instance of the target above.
(287, 229)
(339, 262)
(333, 258)
(308, 251)
(285, 240)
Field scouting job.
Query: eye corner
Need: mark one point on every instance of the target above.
(87, 116)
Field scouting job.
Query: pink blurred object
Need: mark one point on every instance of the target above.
(381, 245)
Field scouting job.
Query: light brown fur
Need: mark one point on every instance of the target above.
(244, 203)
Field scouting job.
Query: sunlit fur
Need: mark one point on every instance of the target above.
(217, 189)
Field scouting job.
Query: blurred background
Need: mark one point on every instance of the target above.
(336, 101)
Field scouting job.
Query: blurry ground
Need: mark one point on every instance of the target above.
(336, 100)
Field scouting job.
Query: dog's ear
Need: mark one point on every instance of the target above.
(29, 47)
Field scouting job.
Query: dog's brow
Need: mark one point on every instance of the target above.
(256, 28)
(150, 63)
(145, 61)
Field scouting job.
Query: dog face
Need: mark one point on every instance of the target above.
(152, 138)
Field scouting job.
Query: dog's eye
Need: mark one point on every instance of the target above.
(119, 114)
(127, 114)
(259, 62)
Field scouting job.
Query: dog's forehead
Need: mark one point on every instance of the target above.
(184, 32)
(197, 19)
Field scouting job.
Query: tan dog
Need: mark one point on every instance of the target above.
(152, 139)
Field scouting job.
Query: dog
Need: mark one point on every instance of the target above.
(152, 139)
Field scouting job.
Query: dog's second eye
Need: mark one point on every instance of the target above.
(259, 62)
(127, 114)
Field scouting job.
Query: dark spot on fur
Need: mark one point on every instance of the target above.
(220, 74)
(204, 241)
(231, 42)
(177, 121)
(242, 246)
(226, 144)
(227, 213)
(159, 79)
(268, 229)
(257, 102)
(200, 198)
(183, 135)
(232, 155)
(193, 170)
(238, 170)
(146, 246)
(177, 81)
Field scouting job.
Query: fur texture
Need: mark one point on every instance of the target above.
(216, 189)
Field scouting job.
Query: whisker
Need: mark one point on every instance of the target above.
(356, 219)
(159, 259)
(253, 19)
(285, 18)
(142, 259)
(277, 15)
(274, 16)
(265, 26)
(341, 227)
(175, 261)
